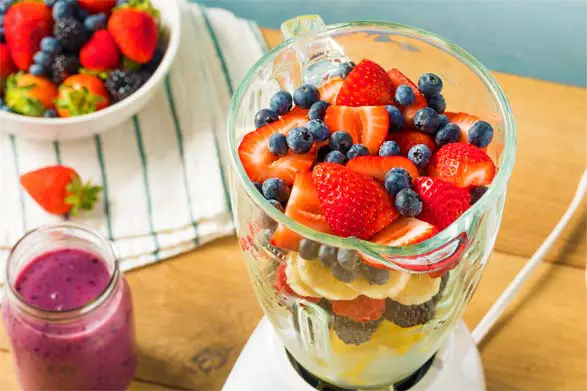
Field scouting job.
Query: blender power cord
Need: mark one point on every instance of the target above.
(512, 290)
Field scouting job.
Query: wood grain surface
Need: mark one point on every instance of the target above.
(188, 341)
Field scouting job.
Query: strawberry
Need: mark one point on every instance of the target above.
(406, 140)
(329, 90)
(343, 118)
(30, 95)
(366, 85)
(304, 207)
(283, 287)
(25, 24)
(59, 190)
(6, 65)
(362, 309)
(465, 122)
(260, 164)
(442, 201)
(378, 166)
(100, 53)
(81, 94)
(97, 6)
(135, 32)
(464, 165)
(398, 79)
(354, 204)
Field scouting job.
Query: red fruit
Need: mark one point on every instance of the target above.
(398, 79)
(260, 164)
(135, 33)
(354, 204)
(329, 90)
(378, 166)
(81, 94)
(465, 122)
(97, 6)
(362, 309)
(406, 140)
(304, 207)
(405, 231)
(6, 65)
(100, 53)
(343, 118)
(30, 95)
(442, 201)
(464, 165)
(283, 287)
(366, 85)
(59, 190)
(25, 24)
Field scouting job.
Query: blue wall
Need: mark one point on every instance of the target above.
(544, 39)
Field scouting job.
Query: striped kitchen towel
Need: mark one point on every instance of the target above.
(164, 170)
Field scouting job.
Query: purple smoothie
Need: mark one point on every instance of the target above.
(94, 351)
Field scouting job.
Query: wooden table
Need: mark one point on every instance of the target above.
(188, 341)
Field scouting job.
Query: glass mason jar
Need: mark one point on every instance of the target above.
(434, 279)
(88, 347)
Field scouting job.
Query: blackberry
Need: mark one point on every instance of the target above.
(122, 84)
(71, 33)
(354, 333)
(64, 66)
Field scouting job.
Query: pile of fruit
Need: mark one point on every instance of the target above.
(367, 154)
(66, 58)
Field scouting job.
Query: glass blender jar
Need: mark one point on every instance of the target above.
(430, 282)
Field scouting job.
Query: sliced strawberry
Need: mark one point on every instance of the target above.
(465, 122)
(464, 165)
(343, 118)
(378, 166)
(374, 126)
(260, 164)
(366, 85)
(329, 90)
(362, 309)
(442, 201)
(354, 204)
(398, 79)
(280, 284)
(406, 140)
(304, 207)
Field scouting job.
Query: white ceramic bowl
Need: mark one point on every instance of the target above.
(103, 120)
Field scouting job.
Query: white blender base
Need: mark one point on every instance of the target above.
(263, 365)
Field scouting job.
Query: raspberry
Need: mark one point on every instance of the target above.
(353, 333)
(63, 66)
(71, 33)
(362, 309)
(122, 84)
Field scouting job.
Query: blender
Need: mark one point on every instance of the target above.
(422, 344)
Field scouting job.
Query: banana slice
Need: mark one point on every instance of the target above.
(420, 289)
(397, 282)
(295, 282)
(315, 275)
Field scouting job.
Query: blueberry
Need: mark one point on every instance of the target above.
(50, 114)
(437, 103)
(308, 249)
(430, 84)
(5, 109)
(121, 2)
(322, 152)
(278, 144)
(420, 155)
(375, 275)
(335, 157)
(50, 3)
(300, 140)
(82, 14)
(43, 58)
(389, 148)
(450, 133)
(408, 203)
(340, 141)
(264, 117)
(50, 45)
(37, 70)
(318, 110)
(318, 129)
(5, 5)
(63, 9)
(258, 187)
(404, 95)
(344, 275)
(481, 134)
(348, 259)
(396, 180)
(396, 118)
(327, 255)
(155, 61)
(306, 96)
(357, 150)
(426, 120)
(443, 121)
(276, 204)
(95, 22)
(281, 102)
(275, 189)
(344, 69)
(477, 193)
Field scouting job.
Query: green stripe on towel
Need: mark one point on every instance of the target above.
(218, 50)
(57, 148)
(105, 193)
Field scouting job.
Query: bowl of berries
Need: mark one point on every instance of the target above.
(71, 69)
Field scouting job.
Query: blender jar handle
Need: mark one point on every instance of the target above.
(301, 25)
